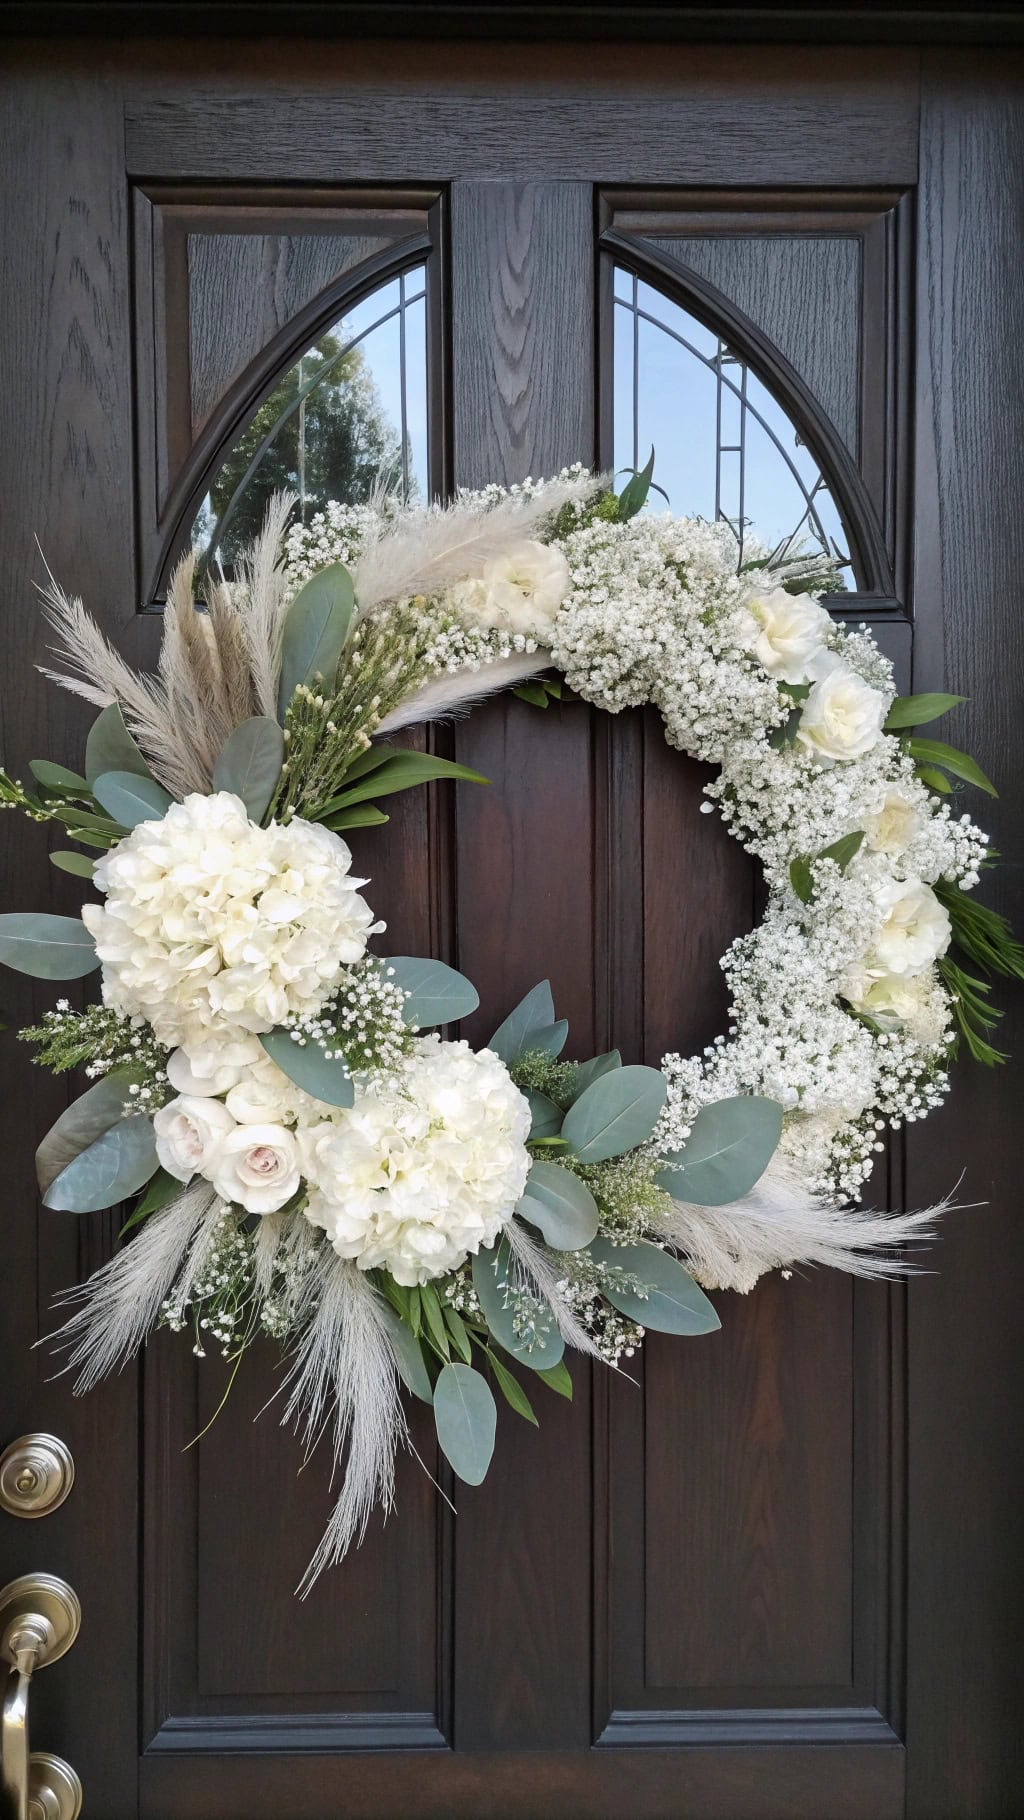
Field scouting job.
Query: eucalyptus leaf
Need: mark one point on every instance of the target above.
(465, 1418)
(674, 1303)
(547, 1039)
(615, 1113)
(131, 799)
(916, 710)
(118, 1164)
(58, 778)
(110, 747)
(586, 1072)
(560, 1206)
(535, 1012)
(436, 993)
(86, 1119)
(326, 1079)
(249, 765)
(408, 1355)
(728, 1150)
(493, 1271)
(47, 947)
(546, 1116)
(317, 625)
(78, 863)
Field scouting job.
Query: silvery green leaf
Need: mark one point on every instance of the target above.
(465, 1418)
(492, 1271)
(674, 1302)
(560, 1205)
(78, 863)
(110, 747)
(535, 1012)
(408, 1355)
(118, 1164)
(249, 764)
(547, 1039)
(728, 1150)
(130, 799)
(615, 1113)
(586, 1072)
(325, 1078)
(58, 778)
(47, 947)
(317, 624)
(547, 1117)
(436, 993)
(86, 1119)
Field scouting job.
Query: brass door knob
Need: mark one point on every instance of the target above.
(54, 1791)
(36, 1474)
(39, 1620)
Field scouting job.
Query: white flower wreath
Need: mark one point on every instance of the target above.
(395, 1206)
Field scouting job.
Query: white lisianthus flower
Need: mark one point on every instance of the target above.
(521, 590)
(424, 1169)
(913, 1002)
(210, 1068)
(785, 632)
(914, 930)
(189, 1132)
(843, 716)
(256, 1167)
(215, 927)
(265, 1097)
(895, 825)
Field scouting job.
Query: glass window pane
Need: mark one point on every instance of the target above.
(350, 412)
(724, 446)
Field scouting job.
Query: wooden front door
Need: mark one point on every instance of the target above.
(773, 1577)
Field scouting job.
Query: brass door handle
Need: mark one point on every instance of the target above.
(39, 1620)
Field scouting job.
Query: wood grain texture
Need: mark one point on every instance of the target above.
(804, 293)
(601, 114)
(65, 442)
(966, 1329)
(243, 288)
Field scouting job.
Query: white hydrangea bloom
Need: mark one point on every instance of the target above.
(213, 927)
(423, 1169)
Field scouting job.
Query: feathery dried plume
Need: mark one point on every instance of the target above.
(100, 675)
(190, 670)
(446, 696)
(265, 600)
(344, 1366)
(779, 1224)
(426, 552)
(544, 1274)
(120, 1302)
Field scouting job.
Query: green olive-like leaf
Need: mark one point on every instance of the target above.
(317, 625)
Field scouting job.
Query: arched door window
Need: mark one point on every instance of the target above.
(725, 448)
(347, 417)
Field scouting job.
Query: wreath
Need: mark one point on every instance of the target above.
(312, 1160)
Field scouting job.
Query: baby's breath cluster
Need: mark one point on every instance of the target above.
(362, 1023)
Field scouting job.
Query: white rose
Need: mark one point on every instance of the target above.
(842, 717)
(521, 590)
(914, 929)
(265, 1097)
(210, 1068)
(257, 1167)
(786, 632)
(894, 827)
(189, 1132)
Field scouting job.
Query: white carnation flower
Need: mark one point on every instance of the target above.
(189, 1132)
(521, 590)
(424, 1168)
(915, 928)
(914, 1002)
(843, 716)
(895, 825)
(256, 1167)
(785, 632)
(214, 927)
